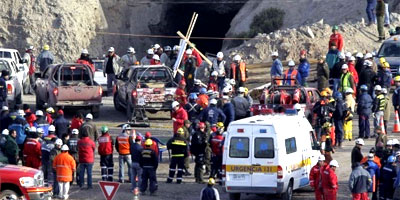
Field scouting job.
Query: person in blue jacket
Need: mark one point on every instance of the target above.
(338, 118)
(229, 110)
(20, 125)
(364, 110)
(212, 114)
(303, 68)
(276, 68)
(374, 172)
(332, 57)
(387, 178)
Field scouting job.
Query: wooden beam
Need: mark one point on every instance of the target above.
(191, 45)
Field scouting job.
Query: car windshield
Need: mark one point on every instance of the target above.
(390, 49)
(98, 66)
(73, 75)
(150, 75)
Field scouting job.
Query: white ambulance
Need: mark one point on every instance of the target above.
(268, 154)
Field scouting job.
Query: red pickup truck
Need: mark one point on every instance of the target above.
(18, 182)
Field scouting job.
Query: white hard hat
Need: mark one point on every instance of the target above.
(371, 156)
(352, 58)
(384, 90)
(359, 55)
(210, 92)
(176, 48)
(197, 82)
(397, 153)
(348, 54)
(31, 47)
(189, 52)
(111, 49)
(156, 57)
(342, 55)
(396, 141)
(64, 148)
(167, 48)
(334, 163)
(89, 116)
(40, 130)
(241, 90)
(52, 128)
(32, 129)
(368, 63)
(321, 158)
(157, 46)
(377, 88)
(39, 113)
(368, 55)
(4, 108)
(175, 104)
(297, 106)
(131, 50)
(59, 142)
(213, 102)
(225, 90)
(275, 53)
(75, 131)
(360, 141)
(5, 132)
(291, 63)
(150, 51)
(126, 127)
(85, 51)
(237, 58)
(214, 73)
(225, 97)
(20, 113)
(345, 66)
(349, 90)
(220, 55)
(232, 82)
(389, 143)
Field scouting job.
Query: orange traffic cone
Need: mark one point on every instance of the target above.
(396, 127)
(382, 125)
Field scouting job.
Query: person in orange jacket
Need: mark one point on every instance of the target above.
(376, 159)
(64, 165)
(179, 115)
(315, 177)
(180, 94)
(238, 71)
(33, 150)
(202, 99)
(330, 181)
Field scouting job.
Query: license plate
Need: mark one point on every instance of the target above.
(141, 101)
(238, 177)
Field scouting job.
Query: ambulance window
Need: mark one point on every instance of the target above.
(290, 144)
(314, 142)
(239, 147)
(264, 148)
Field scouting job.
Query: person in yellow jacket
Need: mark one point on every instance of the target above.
(348, 120)
(346, 79)
(64, 164)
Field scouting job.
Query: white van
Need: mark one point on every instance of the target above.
(268, 154)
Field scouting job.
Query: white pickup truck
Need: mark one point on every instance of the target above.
(21, 66)
(14, 84)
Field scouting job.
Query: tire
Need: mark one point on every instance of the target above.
(117, 103)
(234, 196)
(6, 194)
(96, 111)
(288, 195)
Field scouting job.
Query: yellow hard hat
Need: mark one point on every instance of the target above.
(328, 90)
(211, 181)
(220, 125)
(326, 125)
(246, 90)
(382, 60)
(397, 78)
(46, 47)
(180, 131)
(148, 142)
(386, 65)
(324, 93)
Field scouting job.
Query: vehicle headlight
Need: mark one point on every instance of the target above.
(27, 181)
(169, 97)
(39, 179)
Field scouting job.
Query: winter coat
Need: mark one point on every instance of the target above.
(336, 70)
(32, 153)
(42, 123)
(64, 165)
(45, 59)
(356, 156)
(388, 176)
(86, 148)
(20, 126)
(61, 125)
(76, 123)
(360, 65)
(136, 151)
(11, 147)
(148, 158)
(91, 129)
(145, 61)
(3, 90)
(209, 193)
(229, 111)
(353, 72)
(304, 68)
(193, 110)
(277, 68)
(198, 143)
(350, 102)
(180, 115)
(164, 59)
(116, 68)
(180, 96)
(338, 39)
(384, 78)
(374, 172)
(323, 75)
(367, 77)
(360, 180)
(316, 175)
(329, 179)
(241, 105)
(396, 98)
(128, 60)
(364, 106)
(338, 114)
(212, 115)
(388, 109)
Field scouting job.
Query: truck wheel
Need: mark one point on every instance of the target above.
(9, 194)
(117, 103)
(96, 111)
(289, 192)
(39, 103)
(234, 196)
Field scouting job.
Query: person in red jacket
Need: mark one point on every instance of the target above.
(105, 150)
(212, 83)
(180, 94)
(216, 142)
(76, 121)
(154, 145)
(315, 177)
(33, 150)
(86, 148)
(329, 181)
(352, 69)
(337, 38)
(179, 115)
(49, 112)
(85, 59)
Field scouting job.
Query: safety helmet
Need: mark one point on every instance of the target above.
(46, 47)
(39, 113)
(214, 73)
(156, 46)
(360, 141)
(150, 51)
(50, 110)
(291, 63)
(220, 55)
(389, 143)
(391, 159)
(104, 129)
(202, 125)
(167, 48)
(85, 51)
(213, 102)
(40, 130)
(197, 82)
(348, 54)
(246, 90)
(148, 142)
(211, 181)
(334, 163)
(180, 131)
(349, 91)
(75, 131)
(364, 88)
(384, 91)
(4, 108)
(237, 58)
(352, 58)
(328, 90)
(131, 50)
(359, 55)
(321, 158)
(175, 104)
(397, 78)
(386, 65)
(377, 88)
(303, 52)
(342, 55)
(368, 63)
(203, 90)
(371, 156)
(189, 52)
(297, 106)
(382, 60)
(275, 53)
(326, 125)
(52, 128)
(176, 47)
(232, 82)
(5, 132)
(335, 28)
(192, 96)
(20, 113)
(338, 95)
(32, 129)
(225, 90)
(220, 125)
(324, 94)
(89, 116)
(156, 57)
(241, 90)
(395, 141)
(126, 127)
(368, 55)
(59, 142)
(64, 148)
(147, 135)
(111, 49)
(345, 66)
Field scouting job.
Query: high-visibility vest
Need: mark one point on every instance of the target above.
(105, 145)
(242, 70)
(345, 82)
(292, 76)
(123, 145)
(382, 102)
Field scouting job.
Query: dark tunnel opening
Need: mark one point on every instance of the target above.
(213, 21)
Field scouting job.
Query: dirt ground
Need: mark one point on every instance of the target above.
(161, 127)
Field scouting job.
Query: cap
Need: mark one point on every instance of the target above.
(85, 51)
(5, 132)
(58, 142)
(52, 128)
(156, 57)
(334, 163)
(111, 49)
(39, 113)
(175, 104)
(64, 148)
(75, 131)
(291, 63)
(148, 142)
(189, 52)
(89, 116)
(275, 53)
(360, 141)
(220, 55)
(150, 51)
(237, 58)
(60, 112)
(147, 134)
(321, 158)
(345, 66)
(213, 102)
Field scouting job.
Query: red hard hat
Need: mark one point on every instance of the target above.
(60, 112)
(182, 82)
(138, 137)
(214, 129)
(303, 52)
(147, 135)
(202, 125)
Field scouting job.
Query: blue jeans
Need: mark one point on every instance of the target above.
(88, 167)
(370, 12)
(122, 160)
(136, 171)
(336, 82)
